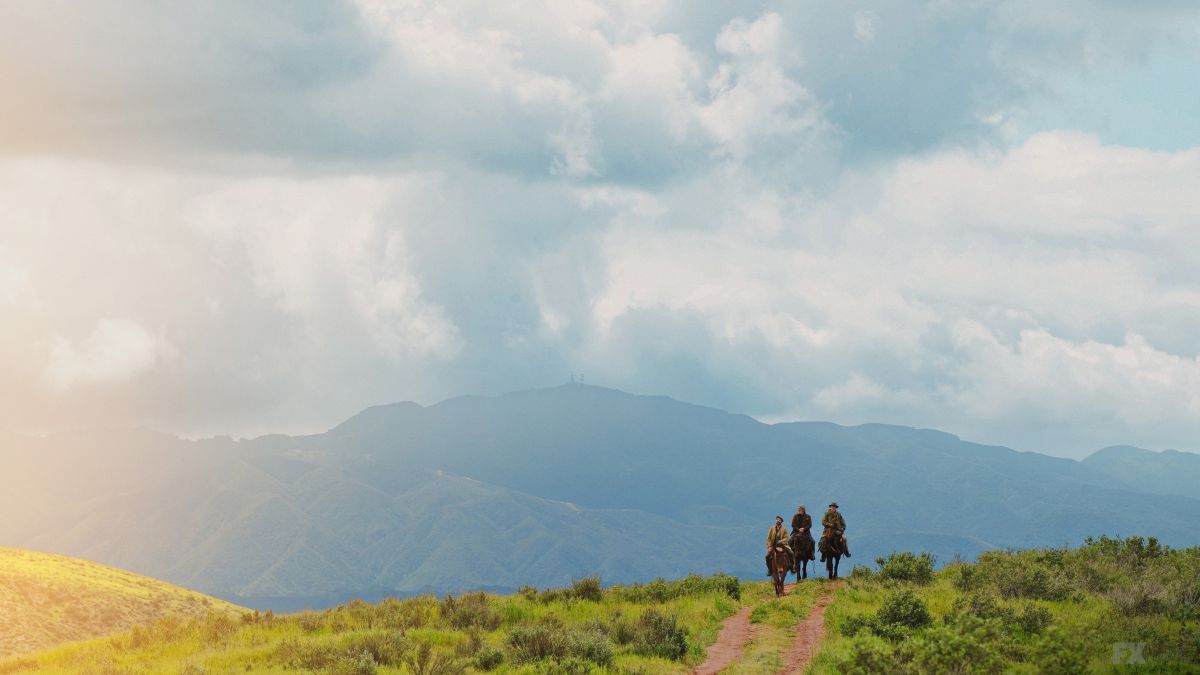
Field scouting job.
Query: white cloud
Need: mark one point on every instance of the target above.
(865, 26)
(117, 350)
(808, 210)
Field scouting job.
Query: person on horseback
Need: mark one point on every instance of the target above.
(776, 536)
(835, 526)
(802, 538)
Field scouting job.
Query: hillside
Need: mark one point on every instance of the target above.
(1030, 611)
(538, 487)
(1109, 606)
(662, 627)
(46, 600)
(1169, 472)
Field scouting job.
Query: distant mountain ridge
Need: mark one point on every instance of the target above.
(1169, 472)
(542, 486)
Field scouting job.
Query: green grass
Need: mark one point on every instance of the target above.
(1034, 611)
(47, 600)
(663, 627)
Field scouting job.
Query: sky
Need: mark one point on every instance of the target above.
(240, 218)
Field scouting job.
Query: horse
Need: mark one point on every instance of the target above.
(781, 564)
(831, 552)
(803, 547)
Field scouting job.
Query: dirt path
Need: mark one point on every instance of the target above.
(735, 633)
(809, 634)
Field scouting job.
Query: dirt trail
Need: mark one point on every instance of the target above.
(809, 634)
(737, 631)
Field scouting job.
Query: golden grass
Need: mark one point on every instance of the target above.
(47, 600)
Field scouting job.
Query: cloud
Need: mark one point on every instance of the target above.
(116, 351)
(292, 211)
(1056, 251)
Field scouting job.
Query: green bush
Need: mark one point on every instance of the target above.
(424, 660)
(869, 655)
(360, 663)
(658, 634)
(660, 590)
(968, 646)
(903, 608)
(1026, 574)
(387, 648)
(552, 640)
(470, 610)
(905, 566)
(1034, 619)
(488, 658)
(587, 588)
(298, 654)
(862, 573)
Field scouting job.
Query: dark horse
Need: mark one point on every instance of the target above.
(781, 564)
(831, 552)
(803, 546)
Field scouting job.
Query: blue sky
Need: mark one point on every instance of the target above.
(976, 216)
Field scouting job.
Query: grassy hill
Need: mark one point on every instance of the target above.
(47, 600)
(659, 627)
(1109, 606)
(1033, 611)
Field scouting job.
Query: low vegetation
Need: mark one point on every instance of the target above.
(1108, 603)
(47, 600)
(659, 627)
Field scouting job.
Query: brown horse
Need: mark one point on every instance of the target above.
(781, 564)
(804, 547)
(831, 552)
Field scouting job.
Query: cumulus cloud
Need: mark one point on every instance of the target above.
(268, 217)
(115, 351)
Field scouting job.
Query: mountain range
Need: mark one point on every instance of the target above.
(546, 485)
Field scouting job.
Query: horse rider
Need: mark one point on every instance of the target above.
(776, 536)
(835, 524)
(801, 528)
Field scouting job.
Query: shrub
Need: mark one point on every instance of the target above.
(1060, 652)
(587, 588)
(862, 573)
(470, 610)
(905, 566)
(1029, 574)
(216, 627)
(298, 654)
(982, 604)
(968, 646)
(1034, 619)
(359, 663)
(425, 661)
(661, 590)
(552, 640)
(660, 635)
(904, 608)
(868, 655)
(385, 647)
(488, 658)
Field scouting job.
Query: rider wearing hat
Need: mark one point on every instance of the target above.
(836, 525)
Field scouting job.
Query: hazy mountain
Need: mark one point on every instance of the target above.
(1169, 472)
(538, 487)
